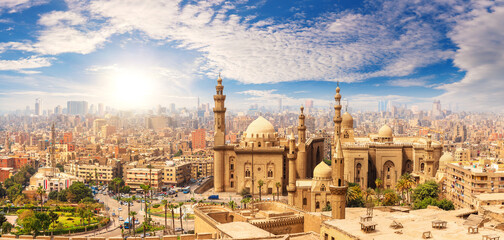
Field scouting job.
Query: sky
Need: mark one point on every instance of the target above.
(137, 54)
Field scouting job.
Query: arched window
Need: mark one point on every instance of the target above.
(339, 182)
(317, 205)
(258, 144)
(357, 172)
(247, 173)
(270, 173)
(305, 201)
(422, 167)
(322, 188)
(389, 168)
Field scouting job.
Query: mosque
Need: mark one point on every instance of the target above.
(310, 183)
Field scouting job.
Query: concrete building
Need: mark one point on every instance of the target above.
(198, 139)
(465, 180)
(77, 107)
(462, 154)
(175, 174)
(143, 176)
(101, 174)
(202, 168)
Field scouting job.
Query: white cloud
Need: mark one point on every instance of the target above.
(480, 42)
(18, 5)
(267, 97)
(25, 63)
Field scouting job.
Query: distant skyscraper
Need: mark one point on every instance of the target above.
(198, 107)
(172, 108)
(58, 110)
(92, 109)
(280, 104)
(309, 103)
(77, 107)
(436, 109)
(38, 107)
(101, 111)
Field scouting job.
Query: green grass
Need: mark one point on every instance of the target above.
(75, 221)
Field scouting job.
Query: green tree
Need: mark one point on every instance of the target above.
(278, 185)
(390, 198)
(180, 204)
(428, 189)
(178, 153)
(260, 183)
(60, 167)
(368, 193)
(409, 182)
(133, 214)
(41, 191)
(53, 217)
(327, 161)
(165, 203)
(116, 184)
(3, 191)
(244, 192)
(145, 189)
(172, 209)
(2, 219)
(79, 191)
(245, 201)
(232, 205)
(125, 189)
(6, 227)
(379, 185)
(354, 196)
(128, 201)
(14, 191)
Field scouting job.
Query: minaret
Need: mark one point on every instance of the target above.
(291, 156)
(338, 187)
(220, 136)
(301, 154)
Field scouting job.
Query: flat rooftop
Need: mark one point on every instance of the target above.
(242, 230)
(415, 223)
(490, 196)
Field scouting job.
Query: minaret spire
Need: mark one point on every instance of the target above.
(220, 136)
(338, 187)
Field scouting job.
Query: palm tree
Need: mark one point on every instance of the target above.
(379, 184)
(400, 187)
(180, 204)
(352, 193)
(145, 188)
(409, 182)
(41, 191)
(165, 203)
(260, 183)
(117, 182)
(245, 201)
(128, 201)
(133, 214)
(53, 217)
(172, 209)
(232, 205)
(150, 167)
(278, 186)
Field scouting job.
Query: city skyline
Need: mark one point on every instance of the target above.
(110, 52)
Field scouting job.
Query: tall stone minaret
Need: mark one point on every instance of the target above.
(220, 136)
(291, 188)
(301, 154)
(338, 187)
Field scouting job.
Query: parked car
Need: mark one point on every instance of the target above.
(120, 209)
(213, 197)
(121, 218)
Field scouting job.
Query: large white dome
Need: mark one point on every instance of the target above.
(385, 131)
(261, 128)
(322, 171)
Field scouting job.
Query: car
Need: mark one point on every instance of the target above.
(178, 229)
(121, 218)
(120, 209)
(213, 197)
(136, 221)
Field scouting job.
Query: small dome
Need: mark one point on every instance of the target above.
(385, 131)
(446, 158)
(260, 126)
(322, 171)
(347, 120)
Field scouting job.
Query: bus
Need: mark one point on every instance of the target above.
(127, 223)
(186, 189)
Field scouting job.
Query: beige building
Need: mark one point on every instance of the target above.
(386, 156)
(51, 180)
(462, 154)
(466, 180)
(101, 174)
(260, 155)
(144, 176)
(175, 174)
(202, 168)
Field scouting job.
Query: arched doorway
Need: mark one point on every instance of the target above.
(389, 174)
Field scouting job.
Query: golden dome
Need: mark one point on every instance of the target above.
(446, 158)
(385, 131)
(260, 128)
(347, 120)
(322, 171)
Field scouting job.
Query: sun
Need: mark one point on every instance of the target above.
(132, 88)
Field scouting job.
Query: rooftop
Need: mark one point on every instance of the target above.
(242, 230)
(415, 223)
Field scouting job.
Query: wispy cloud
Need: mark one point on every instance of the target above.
(25, 63)
(411, 82)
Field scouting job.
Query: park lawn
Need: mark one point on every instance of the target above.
(68, 221)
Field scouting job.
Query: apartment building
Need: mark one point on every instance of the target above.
(101, 174)
(143, 176)
(202, 168)
(465, 180)
(462, 154)
(176, 173)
